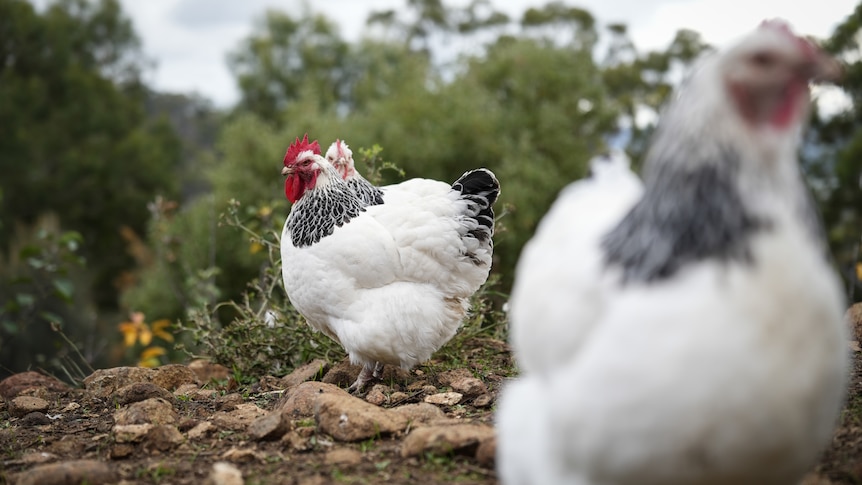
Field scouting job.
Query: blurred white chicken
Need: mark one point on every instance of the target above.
(688, 331)
(389, 282)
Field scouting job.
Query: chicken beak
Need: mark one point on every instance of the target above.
(286, 171)
(821, 67)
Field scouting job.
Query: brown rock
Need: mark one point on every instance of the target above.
(172, 376)
(200, 430)
(16, 383)
(76, 471)
(348, 418)
(131, 433)
(397, 396)
(105, 382)
(34, 419)
(141, 391)
(429, 389)
(343, 456)
(154, 410)
(228, 402)
(239, 419)
(307, 372)
(444, 398)
(298, 401)
(419, 413)
(194, 392)
(121, 450)
(486, 454)
(23, 405)
(269, 427)
(243, 455)
(469, 386)
(207, 371)
(163, 437)
(297, 441)
(36, 457)
(483, 401)
(377, 395)
(342, 374)
(461, 438)
(448, 377)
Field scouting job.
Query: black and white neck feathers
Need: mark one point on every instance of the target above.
(330, 204)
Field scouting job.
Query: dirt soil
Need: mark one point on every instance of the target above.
(77, 438)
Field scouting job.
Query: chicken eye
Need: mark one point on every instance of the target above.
(763, 60)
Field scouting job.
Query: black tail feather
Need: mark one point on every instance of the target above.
(481, 187)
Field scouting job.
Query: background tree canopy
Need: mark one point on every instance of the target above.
(142, 177)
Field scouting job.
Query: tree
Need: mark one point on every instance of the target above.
(834, 158)
(76, 141)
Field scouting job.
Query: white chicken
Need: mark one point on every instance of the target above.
(389, 282)
(688, 331)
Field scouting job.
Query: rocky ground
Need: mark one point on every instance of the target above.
(193, 424)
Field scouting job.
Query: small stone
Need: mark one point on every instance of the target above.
(76, 471)
(444, 398)
(163, 438)
(121, 450)
(71, 407)
(269, 427)
(207, 371)
(343, 456)
(172, 376)
(429, 390)
(464, 438)
(296, 440)
(130, 433)
(483, 401)
(141, 391)
(398, 396)
(377, 395)
(154, 410)
(486, 453)
(35, 457)
(228, 402)
(310, 371)
(13, 385)
(104, 383)
(298, 402)
(34, 419)
(469, 386)
(448, 377)
(240, 418)
(419, 412)
(418, 385)
(244, 455)
(23, 405)
(200, 430)
(342, 374)
(348, 418)
(224, 473)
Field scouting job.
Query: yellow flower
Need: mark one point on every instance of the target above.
(264, 211)
(150, 356)
(135, 329)
(159, 330)
(858, 271)
(255, 248)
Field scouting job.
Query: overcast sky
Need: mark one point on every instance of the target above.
(189, 39)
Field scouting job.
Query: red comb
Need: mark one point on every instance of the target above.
(300, 146)
(779, 25)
